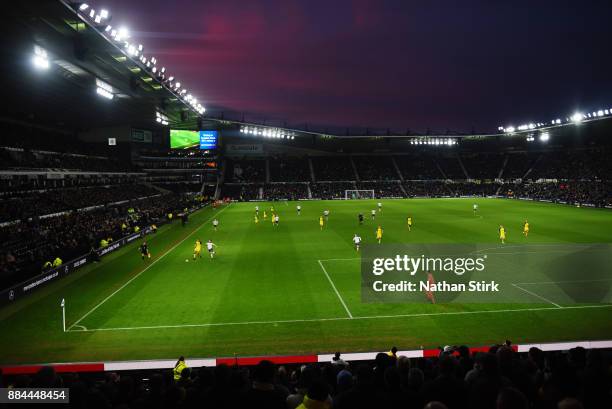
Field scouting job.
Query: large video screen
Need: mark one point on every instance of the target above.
(208, 140)
(182, 139)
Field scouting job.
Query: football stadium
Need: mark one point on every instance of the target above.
(167, 245)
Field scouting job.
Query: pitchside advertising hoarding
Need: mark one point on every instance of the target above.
(552, 274)
(26, 287)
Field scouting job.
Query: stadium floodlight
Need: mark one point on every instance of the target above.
(154, 60)
(177, 85)
(122, 33)
(154, 70)
(108, 28)
(104, 13)
(577, 117)
(544, 137)
(83, 6)
(104, 93)
(600, 112)
(163, 70)
(92, 13)
(607, 112)
(103, 89)
(171, 79)
(139, 47)
(40, 58)
(510, 129)
(98, 19)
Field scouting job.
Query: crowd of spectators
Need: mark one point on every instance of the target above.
(285, 191)
(474, 189)
(499, 378)
(483, 166)
(289, 170)
(33, 159)
(246, 170)
(426, 189)
(573, 165)
(519, 164)
(418, 167)
(337, 168)
(16, 184)
(382, 189)
(330, 190)
(375, 168)
(573, 192)
(23, 205)
(450, 166)
(242, 192)
(180, 186)
(26, 246)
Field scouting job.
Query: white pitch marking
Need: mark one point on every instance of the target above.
(432, 314)
(335, 290)
(146, 268)
(537, 295)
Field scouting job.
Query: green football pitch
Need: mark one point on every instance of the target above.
(294, 289)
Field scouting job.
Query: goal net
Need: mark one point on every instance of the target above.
(358, 194)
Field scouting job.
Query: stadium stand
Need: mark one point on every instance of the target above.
(285, 191)
(289, 170)
(246, 170)
(333, 168)
(27, 245)
(494, 377)
(451, 166)
(483, 166)
(331, 190)
(375, 168)
(418, 167)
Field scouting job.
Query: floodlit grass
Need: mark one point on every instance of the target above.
(266, 292)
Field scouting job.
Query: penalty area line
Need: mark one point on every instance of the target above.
(335, 289)
(537, 295)
(416, 315)
(142, 271)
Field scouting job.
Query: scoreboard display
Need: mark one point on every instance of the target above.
(208, 140)
(183, 139)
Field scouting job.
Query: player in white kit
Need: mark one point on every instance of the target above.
(210, 246)
(356, 241)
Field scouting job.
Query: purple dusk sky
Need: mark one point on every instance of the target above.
(395, 64)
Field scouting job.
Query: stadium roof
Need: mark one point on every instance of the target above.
(79, 57)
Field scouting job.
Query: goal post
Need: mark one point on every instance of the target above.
(358, 194)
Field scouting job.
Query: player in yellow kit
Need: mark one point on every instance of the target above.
(265, 215)
(409, 221)
(502, 234)
(526, 228)
(197, 250)
(379, 232)
(256, 219)
(321, 222)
